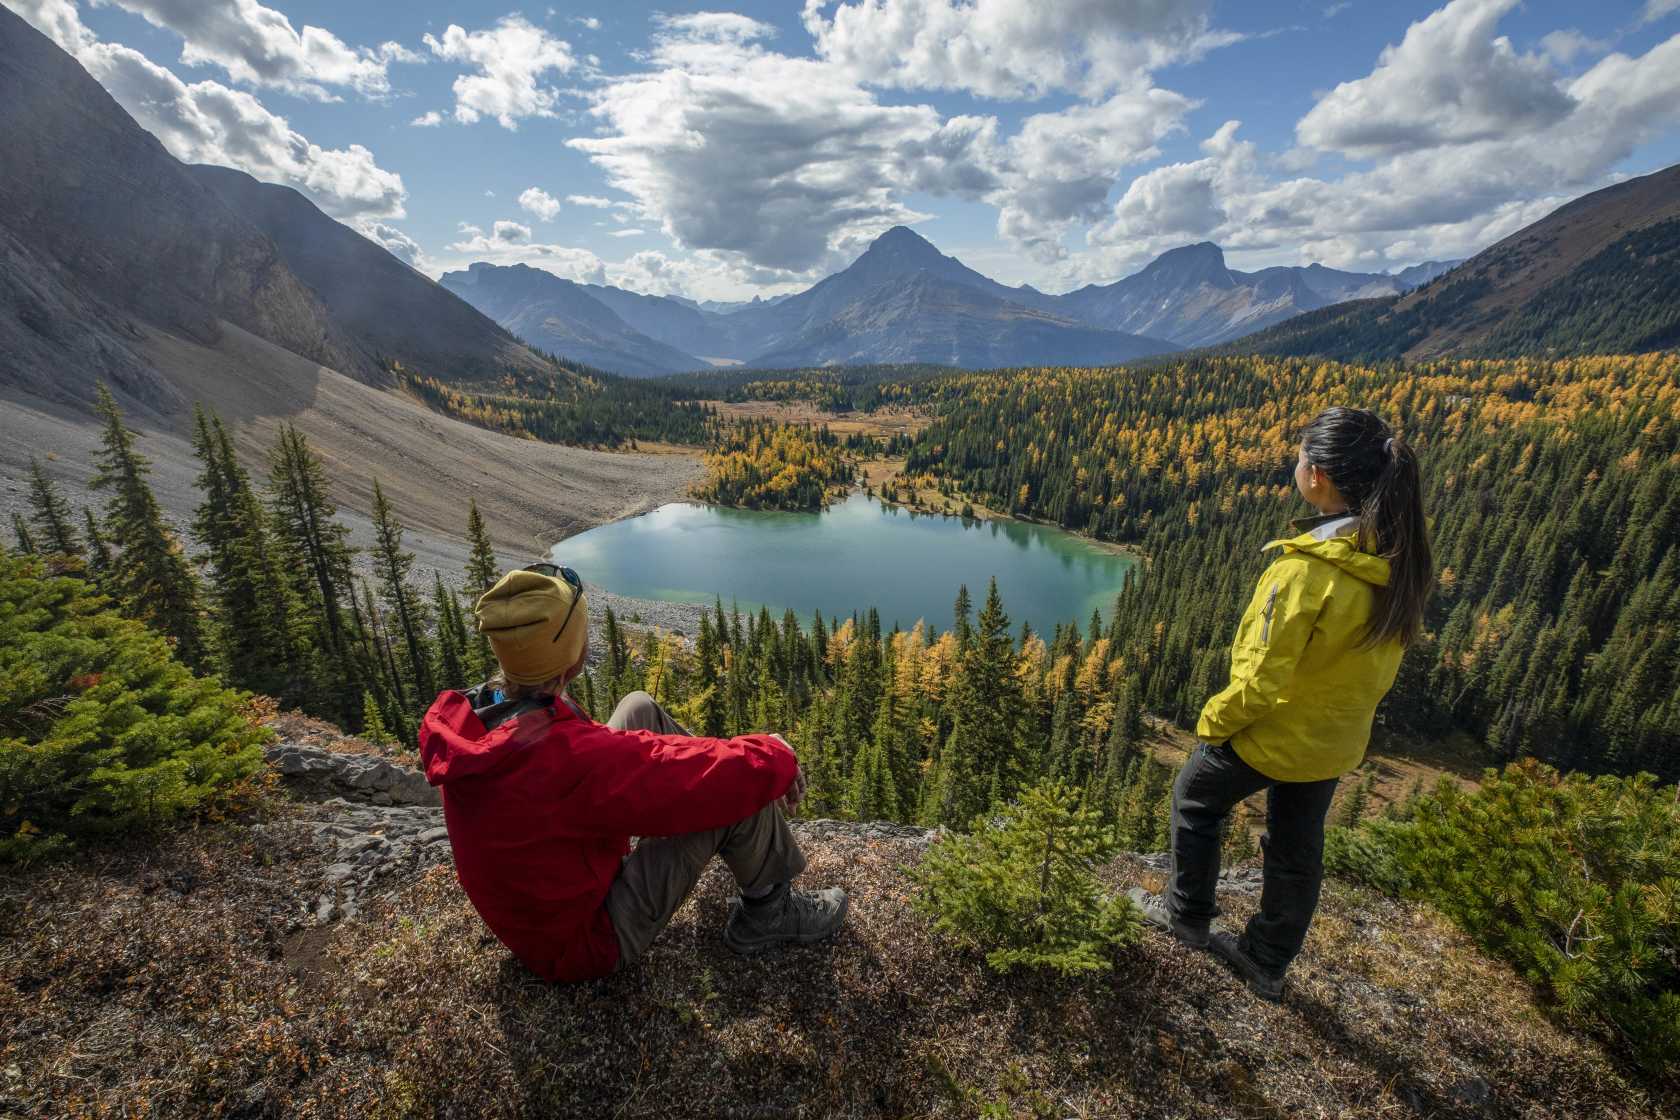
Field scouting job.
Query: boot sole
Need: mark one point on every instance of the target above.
(1267, 988)
(759, 945)
(1196, 939)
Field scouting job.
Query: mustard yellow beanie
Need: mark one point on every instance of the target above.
(525, 618)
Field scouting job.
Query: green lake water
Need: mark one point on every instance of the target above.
(858, 554)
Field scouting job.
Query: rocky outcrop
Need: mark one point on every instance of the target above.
(363, 777)
(377, 822)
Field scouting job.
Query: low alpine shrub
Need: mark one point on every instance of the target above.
(101, 730)
(1021, 888)
(1573, 879)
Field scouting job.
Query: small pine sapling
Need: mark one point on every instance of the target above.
(1021, 886)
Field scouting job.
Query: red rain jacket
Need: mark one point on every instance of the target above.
(541, 809)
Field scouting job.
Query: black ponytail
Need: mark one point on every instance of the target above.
(1378, 474)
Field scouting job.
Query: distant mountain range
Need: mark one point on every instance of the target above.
(905, 301)
(1598, 275)
(107, 242)
(901, 301)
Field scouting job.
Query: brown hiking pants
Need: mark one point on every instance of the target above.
(655, 878)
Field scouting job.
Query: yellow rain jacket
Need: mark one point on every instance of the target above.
(1302, 692)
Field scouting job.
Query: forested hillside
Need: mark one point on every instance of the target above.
(1554, 489)
(1595, 276)
(574, 405)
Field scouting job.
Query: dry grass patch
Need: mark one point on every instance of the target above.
(181, 979)
(883, 423)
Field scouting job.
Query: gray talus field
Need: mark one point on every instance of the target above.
(531, 494)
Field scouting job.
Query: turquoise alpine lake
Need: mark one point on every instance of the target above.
(859, 553)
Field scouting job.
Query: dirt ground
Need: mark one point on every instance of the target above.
(531, 494)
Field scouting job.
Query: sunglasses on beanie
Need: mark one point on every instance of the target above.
(558, 571)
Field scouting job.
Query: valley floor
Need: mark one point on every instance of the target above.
(200, 975)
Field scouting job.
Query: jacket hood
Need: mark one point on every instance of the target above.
(460, 740)
(1334, 542)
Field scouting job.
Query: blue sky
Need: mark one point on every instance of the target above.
(728, 149)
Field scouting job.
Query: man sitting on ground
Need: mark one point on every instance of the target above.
(541, 802)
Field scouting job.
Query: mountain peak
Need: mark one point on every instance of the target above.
(1189, 265)
(900, 235)
(904, 246)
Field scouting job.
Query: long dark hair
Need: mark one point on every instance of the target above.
(1378, 475)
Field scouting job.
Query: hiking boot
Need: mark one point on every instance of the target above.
(1233, 950)
(786, 917)
(1154, 910)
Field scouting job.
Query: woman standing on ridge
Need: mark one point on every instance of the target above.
(1317, 649)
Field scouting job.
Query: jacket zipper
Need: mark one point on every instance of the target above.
(1266, 616)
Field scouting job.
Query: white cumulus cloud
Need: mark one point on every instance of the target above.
(734, 147)
(58, 20)
(510, 243)
(208, 122)
(1451, 80)
(394, 241)
(258, 45)
(1437, 186)
(535, 200)
(1011, 48)
(511, 60)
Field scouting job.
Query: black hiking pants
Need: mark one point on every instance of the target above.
(1209, 786)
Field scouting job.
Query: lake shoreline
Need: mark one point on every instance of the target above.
(860, 553)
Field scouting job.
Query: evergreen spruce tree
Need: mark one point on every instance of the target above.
(980, 763)
(451, 637)
(1356, 802)
(615, 665)
(151, 575)
(588, 697)
(713, 711)
(99, 551)
(1022, 888)
(1060, 763)
(482, 573)
(51, 514)
(392, 565)
(106, 732)
(313, 550)
(1239, 844)
(373, 724)
(873, 793)
(25, 539)
(261, 641)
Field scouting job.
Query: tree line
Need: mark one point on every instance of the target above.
(275, 604)
(1554, 490)
(909, 725)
